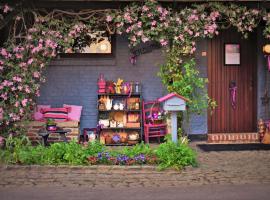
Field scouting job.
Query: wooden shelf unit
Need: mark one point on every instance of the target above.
(125, 111)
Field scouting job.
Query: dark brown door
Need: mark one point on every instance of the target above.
(227, 118)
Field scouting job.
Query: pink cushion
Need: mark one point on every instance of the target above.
(57, 114)
(38, 115)
(75, 113)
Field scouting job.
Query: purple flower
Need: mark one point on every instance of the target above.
(140, 158)
(99, 156)
(122, 159)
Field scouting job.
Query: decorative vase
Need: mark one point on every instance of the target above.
(51, 127)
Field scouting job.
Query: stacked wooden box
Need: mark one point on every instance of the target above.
(34, 126)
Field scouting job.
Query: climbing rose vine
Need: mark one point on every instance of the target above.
(22, 62)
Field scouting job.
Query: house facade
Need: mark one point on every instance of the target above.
(73, 80)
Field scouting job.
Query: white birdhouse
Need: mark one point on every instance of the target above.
(173, 103)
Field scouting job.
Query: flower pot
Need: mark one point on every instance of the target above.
(51, 127)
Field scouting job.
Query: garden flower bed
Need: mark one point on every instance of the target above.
(18, 150)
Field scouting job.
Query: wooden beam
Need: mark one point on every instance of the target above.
(186, 1)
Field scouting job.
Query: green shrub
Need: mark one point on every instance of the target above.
(93, 148)
(175, 155)
(13, 149)
(136, 150)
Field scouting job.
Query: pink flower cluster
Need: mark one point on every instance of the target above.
(109, 18)
(5, 53)
(163, 42)
(6, 8)
(155, 18)
(24, 62)
(76, 30)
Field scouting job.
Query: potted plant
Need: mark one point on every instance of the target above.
(51, 125)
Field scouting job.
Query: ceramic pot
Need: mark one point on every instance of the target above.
(51, 127)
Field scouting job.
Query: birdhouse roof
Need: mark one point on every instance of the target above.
(171, 95)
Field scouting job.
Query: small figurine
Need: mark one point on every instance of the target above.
(261, 129)
(121, 106)
(110, 87)
(108, 103)
(127, 88)
(118, 86)
(116, 106)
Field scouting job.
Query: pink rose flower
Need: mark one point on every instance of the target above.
(24, 102)
(145, 8)
(145, 39)
(30, 61)
(159, 9)
(17, 104)
(154, 23)
(27, 90)
(6, 8)
(20, 88)
(18, 56)
(109, 18)
(4, 52)
(29, 37)
(133, 38)
(163, 42)
(139, 33)
(36, 74)
(17, 79)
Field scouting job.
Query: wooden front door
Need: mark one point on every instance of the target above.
(227, 118)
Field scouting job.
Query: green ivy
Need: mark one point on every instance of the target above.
(183, 77)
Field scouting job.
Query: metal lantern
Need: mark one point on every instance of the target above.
(101, 84)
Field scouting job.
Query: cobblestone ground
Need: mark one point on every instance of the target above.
(234, 167)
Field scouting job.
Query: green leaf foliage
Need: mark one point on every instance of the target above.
(175, 155)
(19, 151)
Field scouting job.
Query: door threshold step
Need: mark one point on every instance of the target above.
(234, 147)
(232, 138)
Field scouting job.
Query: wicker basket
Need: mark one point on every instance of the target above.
(157, 121)
(132, 142)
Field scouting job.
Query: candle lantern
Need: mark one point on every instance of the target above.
(101, 84)
(137, 88)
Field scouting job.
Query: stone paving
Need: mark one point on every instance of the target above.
(231, 167)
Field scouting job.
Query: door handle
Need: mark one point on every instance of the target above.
(233, 91)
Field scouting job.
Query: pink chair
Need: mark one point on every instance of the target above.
(153, 128)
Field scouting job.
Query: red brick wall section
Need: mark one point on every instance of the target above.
(227, 138)
(34, 126)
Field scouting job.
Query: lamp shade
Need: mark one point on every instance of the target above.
(266, 49)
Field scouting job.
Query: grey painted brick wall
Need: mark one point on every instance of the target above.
(74, 81)
(198, 123)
